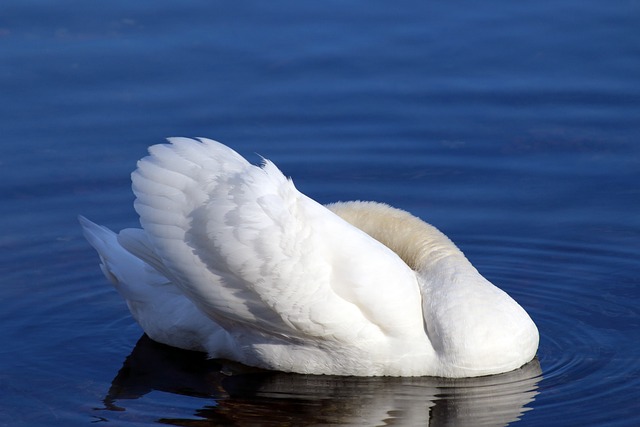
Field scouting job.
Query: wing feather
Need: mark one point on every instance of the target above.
(248, 248)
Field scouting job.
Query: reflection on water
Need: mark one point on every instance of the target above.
(233, 394)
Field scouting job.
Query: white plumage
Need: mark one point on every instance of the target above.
(233, 260)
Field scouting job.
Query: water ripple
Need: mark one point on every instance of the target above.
(588, 354)
(578, 296)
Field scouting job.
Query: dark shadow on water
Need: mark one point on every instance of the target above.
(235, 395)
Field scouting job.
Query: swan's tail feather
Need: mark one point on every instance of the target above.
(162, 311)
(130, 275)
(101, 238)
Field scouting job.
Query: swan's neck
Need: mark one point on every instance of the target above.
(420, 245)
(473, 327)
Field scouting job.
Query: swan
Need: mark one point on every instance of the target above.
(234, 261)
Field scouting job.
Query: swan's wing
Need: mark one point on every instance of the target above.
(249, 249)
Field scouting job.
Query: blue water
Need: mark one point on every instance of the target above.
(513, 127)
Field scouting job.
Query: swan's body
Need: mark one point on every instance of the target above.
(235, 261)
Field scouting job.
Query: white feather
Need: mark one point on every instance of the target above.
(278, 281)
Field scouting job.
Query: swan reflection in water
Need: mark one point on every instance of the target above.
(235, 395)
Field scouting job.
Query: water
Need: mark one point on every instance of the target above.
(511, 127)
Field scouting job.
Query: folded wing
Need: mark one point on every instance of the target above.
(255, 254)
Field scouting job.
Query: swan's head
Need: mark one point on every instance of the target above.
(474, 327)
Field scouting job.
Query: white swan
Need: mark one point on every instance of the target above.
(233, 260)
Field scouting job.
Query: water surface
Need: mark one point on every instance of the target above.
(511, 127)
